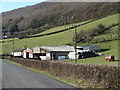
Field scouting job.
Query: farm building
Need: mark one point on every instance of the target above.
(85, 51)
(52, 53)
(18, 52)
(92, 48)
(81, 54)
(28, 53)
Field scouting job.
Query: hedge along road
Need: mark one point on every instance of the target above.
(14, 76)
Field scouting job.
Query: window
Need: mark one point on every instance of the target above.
(42, 54)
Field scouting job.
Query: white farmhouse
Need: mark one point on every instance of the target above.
(18, 52)
(28, 53)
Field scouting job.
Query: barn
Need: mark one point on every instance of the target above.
(52, 53)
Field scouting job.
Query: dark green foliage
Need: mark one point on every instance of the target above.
(3, 31)
(86, 36)
(35, 23)
(80, 36)
(100, 28)
(13, 28)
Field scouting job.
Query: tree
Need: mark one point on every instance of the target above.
(101, 28)
(80, 36)
(3, 31)
(13, 29)
(35, 23)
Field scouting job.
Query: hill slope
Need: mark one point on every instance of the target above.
(49, 14)
(66, 38)
(60, 38)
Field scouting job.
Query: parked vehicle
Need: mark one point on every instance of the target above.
(110, 58)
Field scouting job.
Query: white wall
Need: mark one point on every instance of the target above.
(24, 54)
(71, 55)
(30, 55)
(29, 51)
(17, 53)
(47, 57)
(43, 57)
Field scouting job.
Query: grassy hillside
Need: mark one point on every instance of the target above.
(105, 21)
(66, 38)
(60, 28)
(51, 13)
(60, 38)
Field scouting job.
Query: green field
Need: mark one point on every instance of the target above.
(59, 28)
(101, 59)
(66, 38)
(8, 39)
(105, 21)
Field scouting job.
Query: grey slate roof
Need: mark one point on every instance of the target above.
(19, 50)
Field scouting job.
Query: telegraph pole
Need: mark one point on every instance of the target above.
(75, 44)
(65, 20)
(13, 46)
(13, 43)
(75, 41)
(26, 44)
(6, 50)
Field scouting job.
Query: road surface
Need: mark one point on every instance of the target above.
(14, 76)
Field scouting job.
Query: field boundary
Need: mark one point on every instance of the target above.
(63, 29)
(102, 75)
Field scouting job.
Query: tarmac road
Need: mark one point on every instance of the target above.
(14, 76)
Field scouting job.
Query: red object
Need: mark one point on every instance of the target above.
(110, 58)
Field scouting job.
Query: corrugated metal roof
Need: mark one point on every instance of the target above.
(89, 45)
(58, 48)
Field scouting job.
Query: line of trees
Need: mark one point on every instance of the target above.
(87, 36)
(15, 32)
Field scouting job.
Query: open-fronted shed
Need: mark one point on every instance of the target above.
(52, 53)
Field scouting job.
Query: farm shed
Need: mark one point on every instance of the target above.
(82, 54)
(18, 52)
(28, 53)
(52, 53)
(41, 53)
(92, 48)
